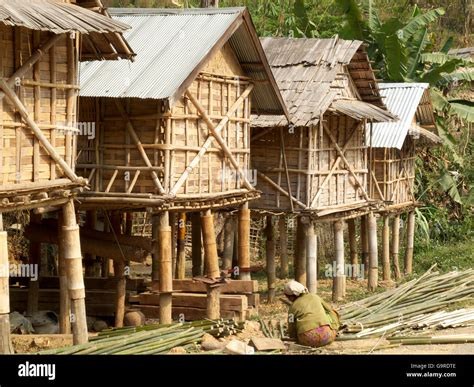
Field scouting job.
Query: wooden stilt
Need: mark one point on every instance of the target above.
(235, 255)
(64, 300)
(270, 255)
(311, 259)
(34, 259)
(410, 242)
(244, 242)
(213, 307)
(90, 259)
(351, 225)
(300, 254)
(5, 340)
(386, 248)
(283, 247)
(162, 269)
(119, 274)
(229, 230)
(73, 258)
(373, 252)
(396, 246)
(181, 253)
(338, 264)
(174, 241)
(210, 247)
(364, 243)
(196, 244)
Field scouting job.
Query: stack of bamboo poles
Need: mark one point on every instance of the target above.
(421, 340)
(150, 339)
(407, 307)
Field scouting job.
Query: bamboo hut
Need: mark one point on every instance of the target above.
(394, 148)
(41, 43)
(173, 128)
(317, 166)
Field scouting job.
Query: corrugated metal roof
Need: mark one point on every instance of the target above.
(308, 72)
(170, 45)
(405, 100)
(359, 110)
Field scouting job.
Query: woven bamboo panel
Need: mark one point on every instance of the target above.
(42, 92)
(171, 136)
(394, 172)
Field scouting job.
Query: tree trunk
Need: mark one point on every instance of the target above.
(119, 274)
(244, 242)
(64, 301)
(209, 3)
(300, 254)
(396, 246)
(283, 247)
(311, 259)
(410, 242)
(210, 247)
(270, 255)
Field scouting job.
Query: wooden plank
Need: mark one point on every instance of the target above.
(189, 314)
(234, 286)
(266, 343)
(197, 300)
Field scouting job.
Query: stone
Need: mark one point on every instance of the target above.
(99, 325)
(134, 318)
(237, 347)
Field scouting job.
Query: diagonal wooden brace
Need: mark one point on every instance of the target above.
(38, 132)
(215, 135)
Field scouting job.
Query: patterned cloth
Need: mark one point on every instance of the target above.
(317, 337)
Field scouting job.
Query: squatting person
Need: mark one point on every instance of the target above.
(311, 321)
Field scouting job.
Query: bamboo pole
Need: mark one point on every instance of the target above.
(300, 254)
(181, 253)
(396, 246)
(174, 241)
(196, 244)
(364, 242)
(373, 252)
(311, 259)
(283, 247)
(244, 242)
(229, 230)
(34, 258)
(163, 264)
(351, 225)
(386, 248)
(270, 255)
(119, 274)
(338, 264)
(210, 246)
(5, 340)
(64, 301)
(73, 258)
(410, 242)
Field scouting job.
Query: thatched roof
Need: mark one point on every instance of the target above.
(101, 34)
(314, 73)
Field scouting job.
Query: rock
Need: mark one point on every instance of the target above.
(209, 338)
(212, 346)
(90, 322)
(134, 318)
(238, 347)
(252, 325)
(44, 322)
(267, 344)
(99, 325)
(177, 351)
(19, 324)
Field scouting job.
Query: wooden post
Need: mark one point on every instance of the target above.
(229, 230)
(270, 255)
(338, 264)
(235, 254)
(5, 340)
(75, 280)
(181, 253)
(196, 244)
(64, 301)
(351, 230)
(396, 246)
(213, 307)
(410, 242)
(119, 274)
(210, 247)
(364, 242)
(373, 252)
(311, 259)
(90, 259)
(244, 242)
(283, 247)
(174, 242)
(386, 248)
(162, 270)
(300, 254)
(34, 258)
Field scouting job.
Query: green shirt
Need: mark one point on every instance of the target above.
(310, 311)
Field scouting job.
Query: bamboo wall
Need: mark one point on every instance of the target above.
(48, 91)
(311, 155)
(171, 137)
(394, 172)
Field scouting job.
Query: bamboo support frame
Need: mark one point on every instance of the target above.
(386, 248)
(410, 242)
(351, 226)
(373, 252)
(396, 246)
(339, 275)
